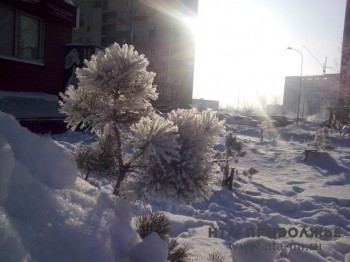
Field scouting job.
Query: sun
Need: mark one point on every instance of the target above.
(239, 52)
(192, 24)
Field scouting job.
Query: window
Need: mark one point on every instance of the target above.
(7, 30)
(21, 34)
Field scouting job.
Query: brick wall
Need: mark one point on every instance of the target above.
(48, 78)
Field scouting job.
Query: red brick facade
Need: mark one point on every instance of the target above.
(46, 76)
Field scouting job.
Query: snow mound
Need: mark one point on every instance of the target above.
(48, 214)
(37, 155)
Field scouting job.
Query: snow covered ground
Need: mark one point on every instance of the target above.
(47, 214)
(288, 192)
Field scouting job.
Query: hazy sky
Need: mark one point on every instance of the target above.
(241, 45)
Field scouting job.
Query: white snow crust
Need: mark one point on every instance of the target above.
(47, 213)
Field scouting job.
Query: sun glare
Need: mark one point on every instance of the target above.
(192, 24)
(239, 52)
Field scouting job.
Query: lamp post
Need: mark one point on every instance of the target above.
(301, 75)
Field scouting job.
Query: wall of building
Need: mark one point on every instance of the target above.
(317, 93)
(345, 59)
(39, 76)
(155, 31)
(202, 104)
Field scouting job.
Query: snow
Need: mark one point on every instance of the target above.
(287, 192)
(47, 213)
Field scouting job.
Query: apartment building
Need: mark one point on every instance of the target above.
(157, 29)
(318, 92)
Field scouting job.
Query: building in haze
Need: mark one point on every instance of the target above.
(157, 28)
(345, 58)
(202, 104)
(318, 92)
(341, 111)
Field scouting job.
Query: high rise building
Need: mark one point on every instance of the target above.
(157, 28)
(318, 92)
(342, 112)
(345, 59)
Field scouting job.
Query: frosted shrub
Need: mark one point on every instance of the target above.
(159, 158)
(234, 150)
(177, 252)
(233, 147)
(321, 140)
(264, 130)
(188, 175)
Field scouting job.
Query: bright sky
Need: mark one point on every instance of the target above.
(241, 47)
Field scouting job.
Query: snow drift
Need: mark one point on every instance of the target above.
(47, 213)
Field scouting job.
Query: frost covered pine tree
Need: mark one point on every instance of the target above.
(114, 92)
(186, 175)
(163, 158)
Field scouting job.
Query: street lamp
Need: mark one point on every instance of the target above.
(301, 75)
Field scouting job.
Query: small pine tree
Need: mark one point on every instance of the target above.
(113, 99)
(177, 252)
(264, 129)
(234, 150)
(147, 223)
(115, 90)
(322, 140)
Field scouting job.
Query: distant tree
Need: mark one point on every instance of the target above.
(165, 158)
(276, 100)
(262, 101)
(248, 105)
